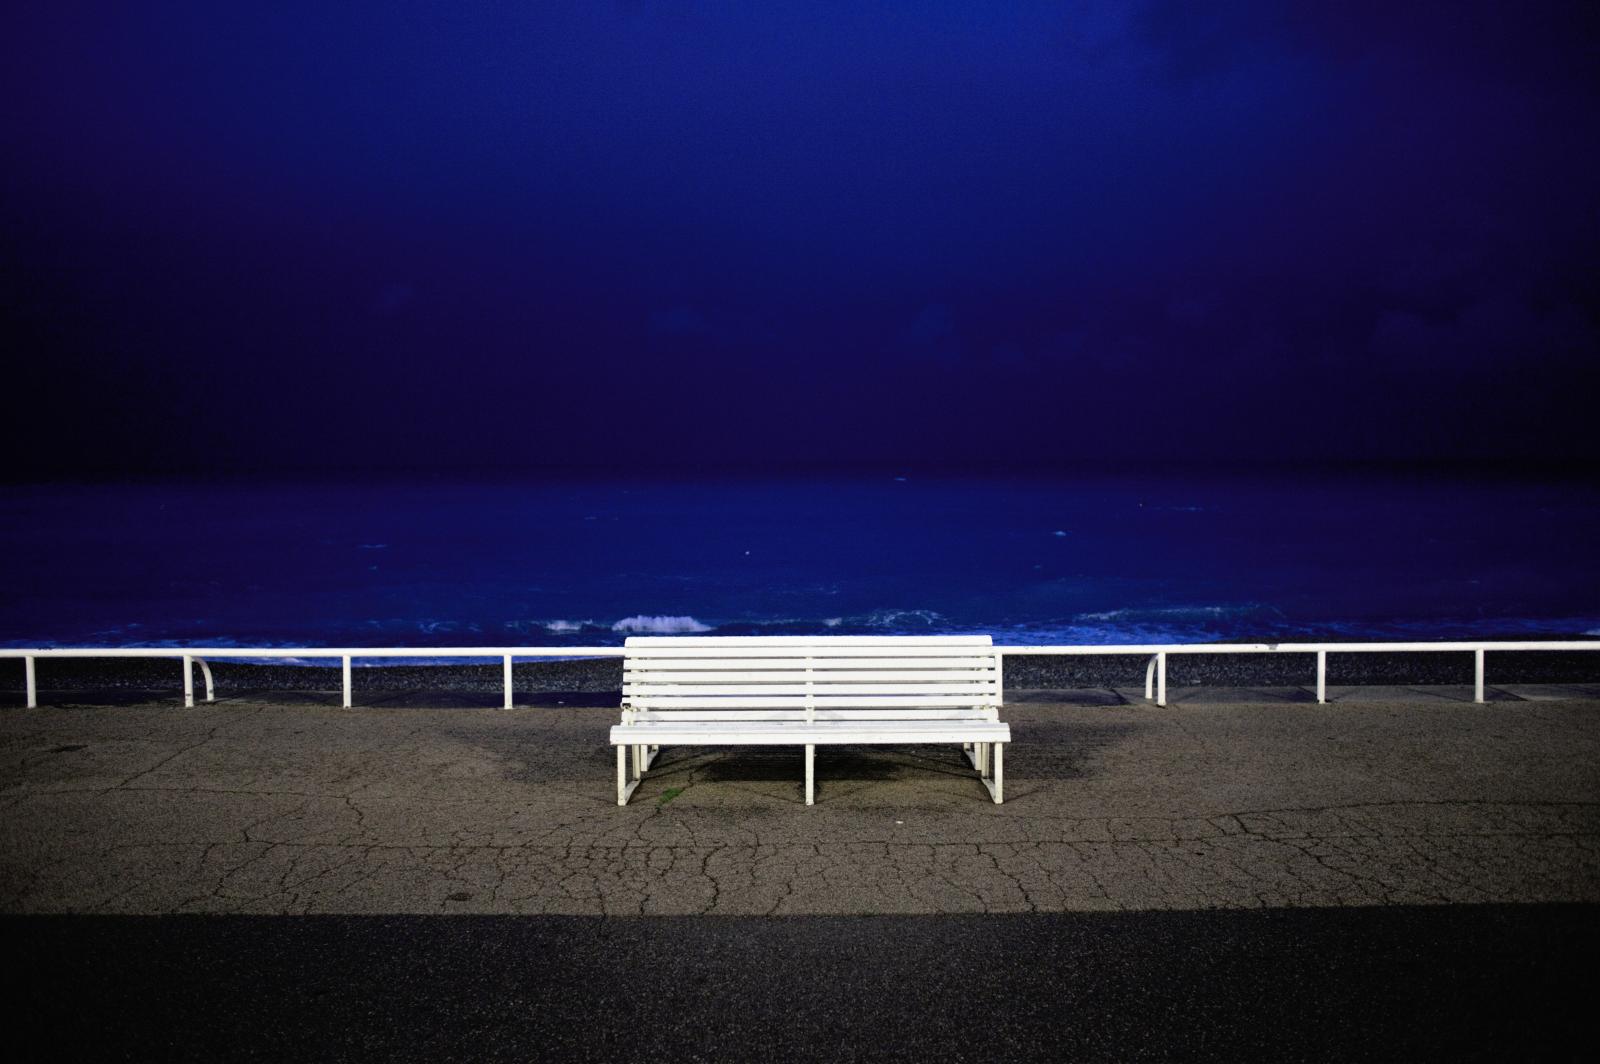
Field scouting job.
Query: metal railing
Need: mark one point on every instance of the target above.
(1155, 673)
(192, 656)
(1155, 677)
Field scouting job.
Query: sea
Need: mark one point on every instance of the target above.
(1034, 559)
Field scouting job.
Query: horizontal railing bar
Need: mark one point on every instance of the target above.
(314, 652)
(1082, 650)
(1294, 648)
(644, 664)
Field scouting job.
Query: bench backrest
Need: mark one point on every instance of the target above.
(812, 677)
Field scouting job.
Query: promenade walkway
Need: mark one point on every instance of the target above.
(1230, 799)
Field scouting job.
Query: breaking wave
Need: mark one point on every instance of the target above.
(909, 621)
(661, 625)
(1147, 614)
(1198, 623)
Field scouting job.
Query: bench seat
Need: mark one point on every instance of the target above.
(820, 733)
(810, 691)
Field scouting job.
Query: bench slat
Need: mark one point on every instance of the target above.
(833, 733)
(925, 713)
(828, 676)
(780, 701)
(970, 690)
(817, 663)
(802, 650)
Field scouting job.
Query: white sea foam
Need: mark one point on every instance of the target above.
(434, 626)
(898, 619)
(566, 626)
(1134, 613)
(660, 625)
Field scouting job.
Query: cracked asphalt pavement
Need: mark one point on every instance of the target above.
(1241, 800)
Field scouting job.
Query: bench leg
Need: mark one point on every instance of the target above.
(811, 773)
(992, 775)
(625, 785)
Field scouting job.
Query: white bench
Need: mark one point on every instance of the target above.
(809, 691)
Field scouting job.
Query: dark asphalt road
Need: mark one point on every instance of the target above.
(1479, 982)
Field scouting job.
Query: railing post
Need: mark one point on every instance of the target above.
(506, 668)
(188, 682)
(205, 670)
(347, 681)
(33, 684)
(1150, 678)
(1477, 656)
(1161, 678)
(1322, 676)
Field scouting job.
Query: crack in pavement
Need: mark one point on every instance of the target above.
(292, 809)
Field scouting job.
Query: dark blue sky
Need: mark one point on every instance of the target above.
(464, 235)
